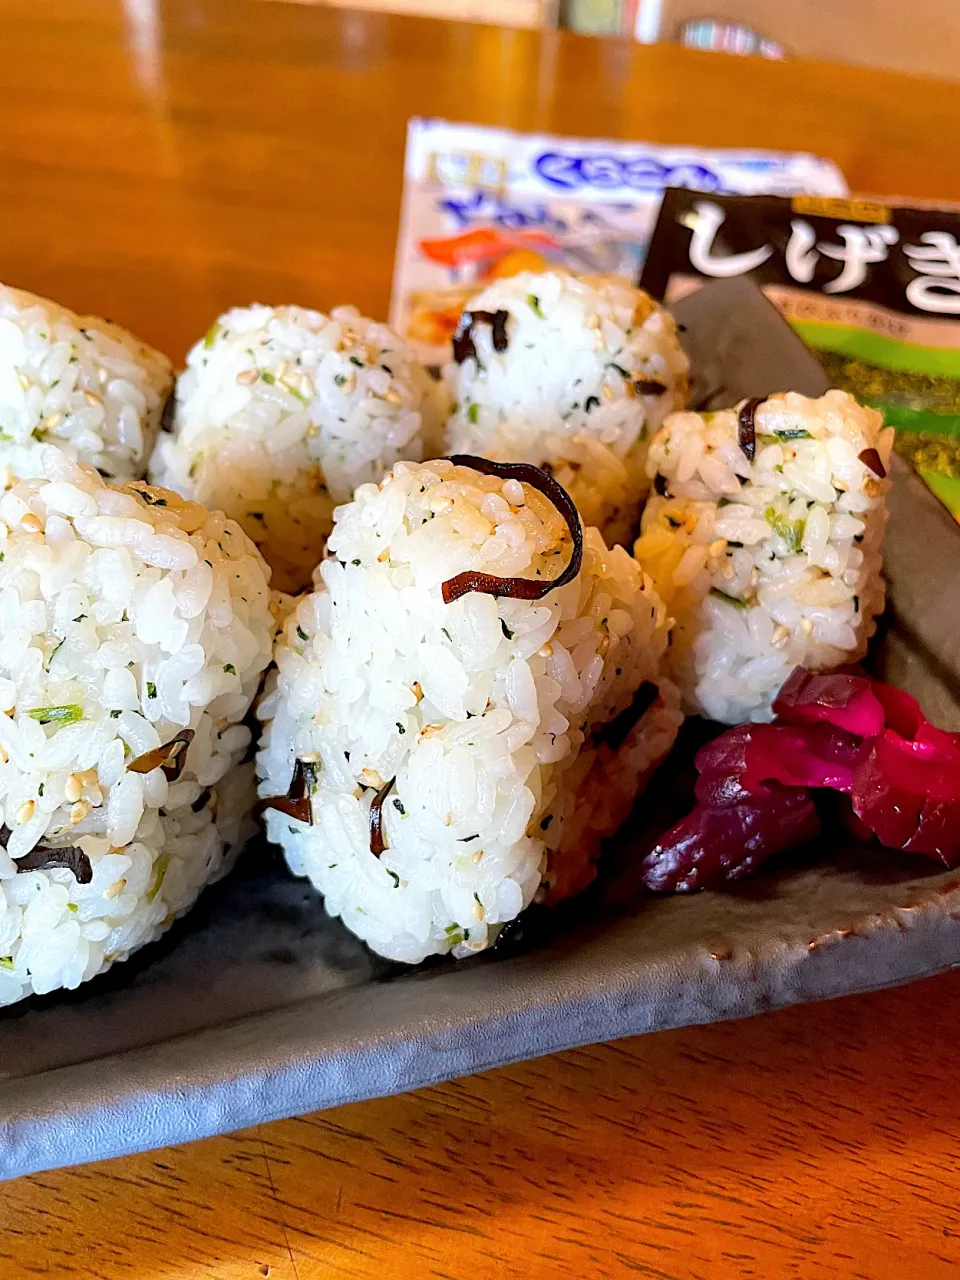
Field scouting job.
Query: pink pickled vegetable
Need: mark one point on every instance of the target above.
(901, 712)
(846, 701)
(743, 758)
(907, 792)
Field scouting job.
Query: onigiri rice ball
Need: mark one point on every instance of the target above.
(436, 757)
(282, 412)
(79, 382)
(135, 629)
(765, 539)
(571, 373)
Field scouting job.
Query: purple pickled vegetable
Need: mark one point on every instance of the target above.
(714, 846)
(897, 775)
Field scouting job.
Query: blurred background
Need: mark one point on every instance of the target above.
(922, 37)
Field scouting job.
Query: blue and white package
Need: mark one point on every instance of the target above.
(480, 204)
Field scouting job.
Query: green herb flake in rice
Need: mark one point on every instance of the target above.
(56, 715)
(791, 531)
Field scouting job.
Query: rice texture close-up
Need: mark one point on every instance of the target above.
(572, 373)
(764, 538)
(136, 628)
(437, 757)
(79, 382)
(282, 412)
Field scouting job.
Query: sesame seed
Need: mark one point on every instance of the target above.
(79, 811)
(717, 547)
(3, 756)
(25, 812)
(477, 911)
(393, 397)
(73, 788)
(247, 377)
(52, 421)
(24, 381)
(545, 650)
(115, 889)
(32, 523)
(780, 635)
(806, 626)
(93, 400)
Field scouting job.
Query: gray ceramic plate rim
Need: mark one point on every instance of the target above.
(592, 986)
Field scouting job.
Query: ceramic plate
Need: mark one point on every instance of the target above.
(257, 1006)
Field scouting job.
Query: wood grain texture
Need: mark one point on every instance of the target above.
(160, 162)
(820, 1142)
(161, 168)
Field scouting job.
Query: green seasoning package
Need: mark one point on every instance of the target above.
(873, 288)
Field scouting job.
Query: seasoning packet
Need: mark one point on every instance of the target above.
(873, 288)
(480, 204)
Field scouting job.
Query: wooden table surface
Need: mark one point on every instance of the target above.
(161, 161)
